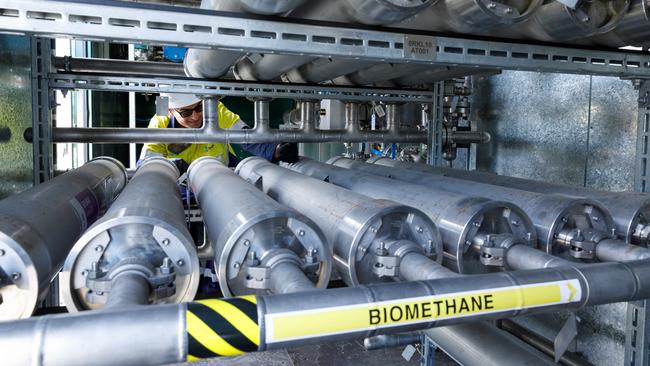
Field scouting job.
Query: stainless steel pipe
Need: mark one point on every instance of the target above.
(474, 229)
(260, 246)
(370, 238)
(39, 226)
(630, 210)
(371, 12)
(289, 320)
(565, 225)
(143, 233)
(212, 64)
(124, 67)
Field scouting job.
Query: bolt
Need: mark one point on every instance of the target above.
(312, 251)
(515, 222)
(301, 233)
(565, 220)
(2, 252)
(477, 224)
(180, 262)
(99, 248)
(364, 249)
(247, 243)
(420, 229)
(166, 242)
(15, 276)
(236, 265)
(167, 263)
(100, 293)
(84, 273)
(596, 218)
(94, 266)
(613, 231)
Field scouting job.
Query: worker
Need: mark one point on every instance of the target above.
(186, 111)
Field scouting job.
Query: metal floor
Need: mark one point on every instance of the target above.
(340, 354)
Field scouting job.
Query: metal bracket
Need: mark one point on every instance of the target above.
(493, 256)
(256, 277)
(637, 335)
(428, 351)
(566, 335)
(386, 266)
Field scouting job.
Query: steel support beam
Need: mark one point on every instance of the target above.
(173, 26)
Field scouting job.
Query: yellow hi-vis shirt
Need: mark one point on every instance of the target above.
(194, 151)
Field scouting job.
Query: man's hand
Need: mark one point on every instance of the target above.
(286, 152)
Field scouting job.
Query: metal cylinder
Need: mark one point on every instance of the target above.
(128, 289)
(565, 225)
(108, 66)
(630, 210)
(144, 233)
(39, 226)
(315, 317)
(392, 340)
(260, 246)
(380, 72)
(433, 75)
(472, 16)
(371, 12)
(474, 229)
(555, 21)
(214, 63)
(368, 236)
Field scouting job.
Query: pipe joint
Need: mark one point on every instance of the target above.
(494, 248)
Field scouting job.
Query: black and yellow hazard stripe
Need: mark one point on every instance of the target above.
(222, 327)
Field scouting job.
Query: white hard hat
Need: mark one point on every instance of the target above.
(180, 100)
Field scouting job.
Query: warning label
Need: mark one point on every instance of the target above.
(362, 317)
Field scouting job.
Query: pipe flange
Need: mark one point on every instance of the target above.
(479, 15)
(20, 291)
(107, 244)
(383, 221)
(589, 18)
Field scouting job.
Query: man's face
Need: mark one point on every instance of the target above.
(190, 116)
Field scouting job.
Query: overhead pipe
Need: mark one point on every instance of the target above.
(314, 317)
(210, 64)
(433, 75)
(630, 210)
(140, 252)
(39, 226)
(372, 240)
(369, 12)
(555, 21)
(261, 133)
(472, 16)
(476, 233)
(565, 225)
(632, 30)
(260, 246)
(108, 66)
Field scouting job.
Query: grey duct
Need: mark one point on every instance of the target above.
(260, 246)
(371, 12)
(476, 232)
(372, 240)
(215, 63)
(38, 228)
(143, 236)
(630, 210)
(262, 133)
(577, 228)
(108, 66)
(73, 340)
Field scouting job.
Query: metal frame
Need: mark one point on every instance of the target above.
(436, 125)
(637, 332)
(41, 112)
(173, 26)
(123, 83)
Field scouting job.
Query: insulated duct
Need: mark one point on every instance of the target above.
(370, 12)
(372, 240)
(574, 227)
(314, 317)
(39, 226)
(143, 236)
(630, 210)
(476, 232)
(260, 246)
(210, 64)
